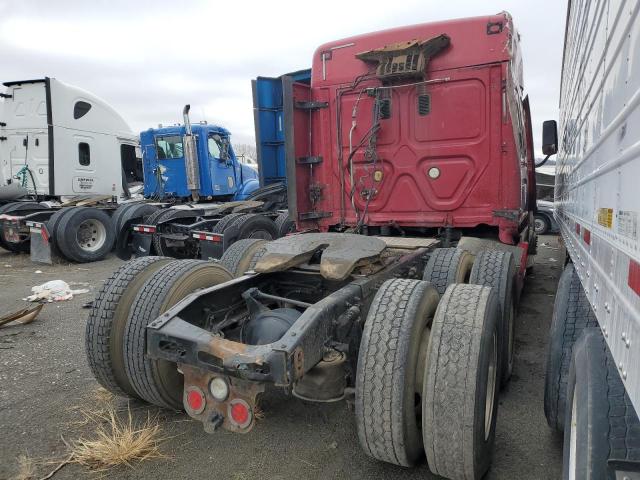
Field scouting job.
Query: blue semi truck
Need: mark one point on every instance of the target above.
(194, 162)
(212, 199)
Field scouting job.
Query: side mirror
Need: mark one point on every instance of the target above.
(549, 137)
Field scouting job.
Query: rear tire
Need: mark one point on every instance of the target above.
(285, 224)
(85, 234)
(601, 423)
(255, 225)
(571, 315)
(498, 270)
(158, 381)
(541, 224)
(226, 221)
(389, 372)
(460, 396)
(447, 266)
(106, 322)
(239, 256)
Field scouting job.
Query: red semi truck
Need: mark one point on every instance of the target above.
(411, 181)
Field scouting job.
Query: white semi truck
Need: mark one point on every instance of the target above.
(59, 143)
(592, 390)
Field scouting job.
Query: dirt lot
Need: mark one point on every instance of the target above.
(45, 384)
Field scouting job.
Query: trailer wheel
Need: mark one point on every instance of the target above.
(460, 396)
(497, 269)
(158, 381)
(447, 266)
(601, 423)
(239, 256)
(13, 208)
(106, 322)
(390, 371)
(85, 234)
(571, 315)
(285, 224)
(255, 225)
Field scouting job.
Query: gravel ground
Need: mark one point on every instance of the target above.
(45, 383)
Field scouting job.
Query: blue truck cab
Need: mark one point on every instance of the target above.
(220, 176)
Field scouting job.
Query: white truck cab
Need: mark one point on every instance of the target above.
(57, 140)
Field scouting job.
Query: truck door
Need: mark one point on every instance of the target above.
(222, 173)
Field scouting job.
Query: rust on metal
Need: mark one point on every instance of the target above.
(341, 253)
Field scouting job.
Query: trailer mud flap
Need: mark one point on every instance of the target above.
(41, 250)
(141, 244)
(213, 245)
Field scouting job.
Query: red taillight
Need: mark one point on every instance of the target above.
(195, 400)
(240, 412)
(586, 235)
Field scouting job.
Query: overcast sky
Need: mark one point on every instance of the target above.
(149, 58)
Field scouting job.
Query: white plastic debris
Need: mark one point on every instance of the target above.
(53, 291)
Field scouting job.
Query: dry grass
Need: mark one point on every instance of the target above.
(26, 468)
(102, 395)
(118, 442)
(258, 412)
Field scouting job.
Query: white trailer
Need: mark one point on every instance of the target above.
(62, 144)
(592, 389)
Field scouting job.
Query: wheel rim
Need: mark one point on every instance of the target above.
(572, 439)
(91, 235)
(491, 386)
(538, 225)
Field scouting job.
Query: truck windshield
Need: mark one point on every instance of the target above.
(169, 147)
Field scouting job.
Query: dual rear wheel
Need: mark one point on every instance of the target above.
(427, 379)
(135, 295)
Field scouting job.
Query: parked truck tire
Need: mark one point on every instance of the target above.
(600, 422)
(391, 368)
(239, 256)
(158, 381)
(106, 322)
(255, 225)
(447, 266)
(226, 221)
(13, 209)
(497, 269)
(285, 224)
(460, 392)
(85, 234)
(571, 315)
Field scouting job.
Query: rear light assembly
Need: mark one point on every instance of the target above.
(144, 228)
(194, 400)
(208, 237)
(219, 389)
(240, 413)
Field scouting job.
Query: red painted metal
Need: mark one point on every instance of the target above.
(634, 276)
(477, 135)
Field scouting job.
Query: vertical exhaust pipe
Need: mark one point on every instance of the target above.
(191, 163)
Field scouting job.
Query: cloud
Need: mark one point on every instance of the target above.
(149, 58)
